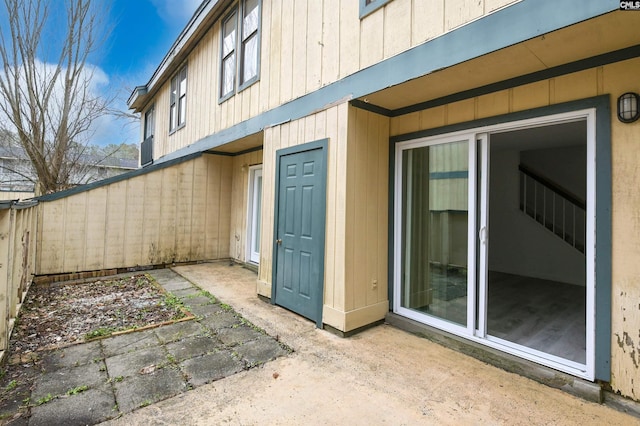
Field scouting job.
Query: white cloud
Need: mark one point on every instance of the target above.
(105, 128)
(176, 13)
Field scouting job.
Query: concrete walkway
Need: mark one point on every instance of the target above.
(92, 382)
(380, 376)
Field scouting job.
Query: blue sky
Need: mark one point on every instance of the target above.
(137, 34)
(141, 32)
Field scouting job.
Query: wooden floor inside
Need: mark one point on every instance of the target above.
(544, 315)
(548, 316)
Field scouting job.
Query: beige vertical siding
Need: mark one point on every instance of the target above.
(625, 312)
(613, 79)
(366, 219)
(17, 260)
(15, 195)
(329, 124)
(301, 53)
(356, 216)
(239, 203)
(177, 214)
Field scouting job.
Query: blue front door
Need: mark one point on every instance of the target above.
(299, 229)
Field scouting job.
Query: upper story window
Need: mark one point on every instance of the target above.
(178, 101)
(369, 6)
(149, 122)
(240, 54)
(146, 147)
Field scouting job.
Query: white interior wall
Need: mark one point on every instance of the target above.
(517, 243)
(566, 166)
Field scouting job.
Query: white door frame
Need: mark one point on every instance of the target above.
(479, 138)
(254, 202)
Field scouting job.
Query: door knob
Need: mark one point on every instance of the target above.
(278, 241)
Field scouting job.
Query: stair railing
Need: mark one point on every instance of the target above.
(554, 207)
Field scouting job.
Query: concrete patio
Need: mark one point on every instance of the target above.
(380, 376)
(91, 382)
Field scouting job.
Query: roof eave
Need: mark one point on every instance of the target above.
(137, 98)
(202, 19)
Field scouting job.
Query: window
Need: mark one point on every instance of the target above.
(369, 6)
(178, 102)
(237, 71)
(249, 42)
(228, 80)
(146, 147)
(149, 122)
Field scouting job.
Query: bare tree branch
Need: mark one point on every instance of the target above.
(51, 107)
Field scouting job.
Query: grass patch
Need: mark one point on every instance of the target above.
(77, 390)
(99, 332)
(44, 399)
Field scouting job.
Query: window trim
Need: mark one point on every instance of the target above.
(222, 97)
(254, 224)
(372, 6)
(238, 84)
(241, 44)
(151, 110)
(178, 101)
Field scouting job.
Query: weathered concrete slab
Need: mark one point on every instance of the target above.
(175, 284)
(59, 382)
(72, 356)
(130, 364)
(204, 311)
(145, 389)
(179, 330)
(129, 342)
(259, 351)
(197, 301)
(86, 408)
(208, 368)
(238, 335)
(193, 347)
(220, 320)
(186, 292)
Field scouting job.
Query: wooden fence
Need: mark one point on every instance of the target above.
(164, 214)
(18, 221)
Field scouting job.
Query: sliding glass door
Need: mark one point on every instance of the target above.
(433, 240)
(470, 260)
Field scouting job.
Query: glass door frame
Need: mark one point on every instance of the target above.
(469, 328)
(476, 330)
(253, 213)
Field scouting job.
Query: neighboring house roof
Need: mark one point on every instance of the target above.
(17, 152)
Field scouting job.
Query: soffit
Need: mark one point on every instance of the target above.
(238, 146)
(606, 33)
